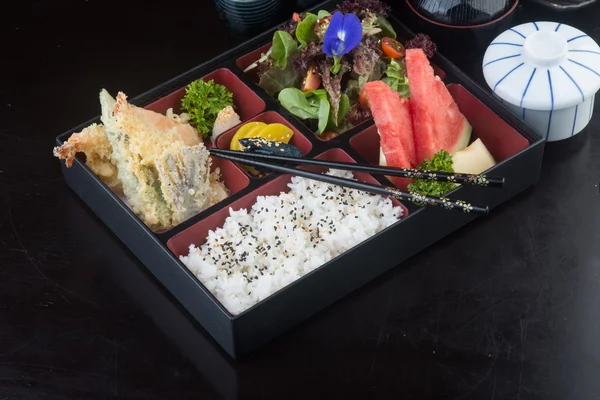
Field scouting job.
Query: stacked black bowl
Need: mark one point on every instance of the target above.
(473, 21)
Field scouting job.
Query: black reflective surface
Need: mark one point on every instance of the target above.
(506, 308)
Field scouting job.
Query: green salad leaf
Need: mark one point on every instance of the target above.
(342, 112)
(203, 101)
(276, 79)
(305, 31)
(313, 104)
(396, 78)
(323, 14)
(284, 46)
(441, 161)
(386, 27)
(296, 102)
(324, 108)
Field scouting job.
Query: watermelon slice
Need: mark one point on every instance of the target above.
(392, 117)
(437, 122)
(394, 125)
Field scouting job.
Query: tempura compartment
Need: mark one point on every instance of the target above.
(246, 103)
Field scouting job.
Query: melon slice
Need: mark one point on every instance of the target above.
(437, 121)
(475, 159)
(394, 126)
(392, 117)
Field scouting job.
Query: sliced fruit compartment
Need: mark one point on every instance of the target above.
(247, 104)
(197, 234)
(298, 140)
(501, 139)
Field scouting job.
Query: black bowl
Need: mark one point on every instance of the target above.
(462, 13)
(462, 31)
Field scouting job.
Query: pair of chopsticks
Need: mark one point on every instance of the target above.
(267, 161)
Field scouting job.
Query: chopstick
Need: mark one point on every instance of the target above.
(463, 179)
(416, 198)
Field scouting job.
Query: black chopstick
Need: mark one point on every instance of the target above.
(463, 179)
(416, 198)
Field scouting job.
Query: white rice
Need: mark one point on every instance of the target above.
(285, 237)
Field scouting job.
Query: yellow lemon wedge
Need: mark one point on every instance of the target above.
(243, 132)
(276, 132)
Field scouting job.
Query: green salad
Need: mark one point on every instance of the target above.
(318, 63)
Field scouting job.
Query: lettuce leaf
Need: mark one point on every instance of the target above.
(284, 46)
(276, 79)
(397, 79)
(307, 105)
(333, 84)
(305, 32)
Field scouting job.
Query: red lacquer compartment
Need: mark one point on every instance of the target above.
(196, 234)
(247, 103)
(233, 178)
(270, 117)
(502, 140)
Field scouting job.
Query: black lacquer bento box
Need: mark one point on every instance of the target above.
(517, 149)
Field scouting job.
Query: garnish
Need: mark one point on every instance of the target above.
(397, 79)
(441, 161)
(203, 101)
(422, 41)
(343, 34)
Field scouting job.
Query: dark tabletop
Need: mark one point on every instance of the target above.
(508, 307)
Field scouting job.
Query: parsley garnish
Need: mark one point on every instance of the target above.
(203, 101)
(441, 161)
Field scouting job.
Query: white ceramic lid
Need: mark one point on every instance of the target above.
(543, 66)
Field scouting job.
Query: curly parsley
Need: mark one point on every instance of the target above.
(203, 101)
(441, 161)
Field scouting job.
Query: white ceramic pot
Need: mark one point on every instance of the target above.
(547, 74)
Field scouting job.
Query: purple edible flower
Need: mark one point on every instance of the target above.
(343, 34)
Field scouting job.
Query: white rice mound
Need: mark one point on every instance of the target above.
(285, 237)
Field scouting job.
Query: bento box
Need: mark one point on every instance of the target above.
(517, 149)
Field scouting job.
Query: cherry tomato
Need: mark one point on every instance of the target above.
(312, 80)
(363, 100)
(392, 48)
(296, 17)
(328, 135)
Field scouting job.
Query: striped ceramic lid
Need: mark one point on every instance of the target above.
(543, 66)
